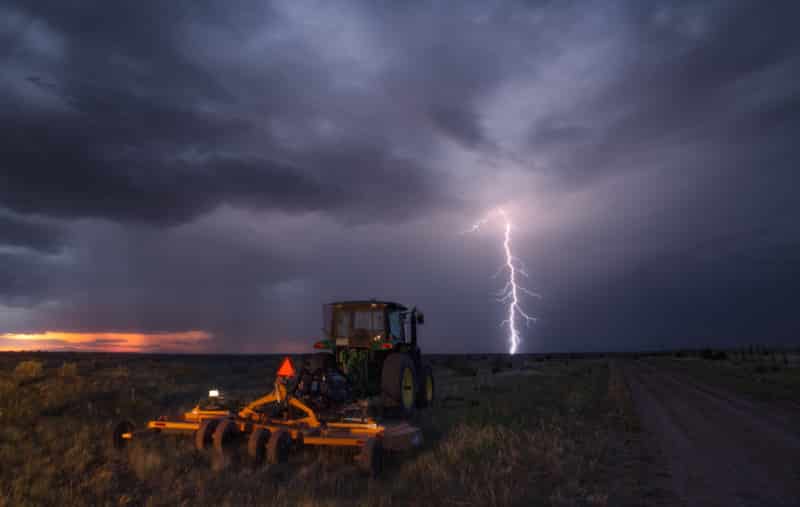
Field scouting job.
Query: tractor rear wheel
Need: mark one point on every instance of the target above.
(427, 387)
(224, 433)
(278, 447)
(399, 382)
(204, 434)
(370, 459)
(257, 445)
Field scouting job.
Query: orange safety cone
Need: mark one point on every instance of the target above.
(286, 369)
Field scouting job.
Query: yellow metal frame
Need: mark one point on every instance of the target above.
(308, 428)
(276, 396)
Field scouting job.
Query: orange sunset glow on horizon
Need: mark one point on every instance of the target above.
(185, 341)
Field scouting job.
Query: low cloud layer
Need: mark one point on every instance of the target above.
(191, 341)
(229, 166)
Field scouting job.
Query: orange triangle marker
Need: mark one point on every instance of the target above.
(286, 369)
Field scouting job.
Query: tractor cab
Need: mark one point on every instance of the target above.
(374, 325)
(368, 341)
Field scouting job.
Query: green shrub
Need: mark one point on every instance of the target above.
(461, 367)
(29, 370)
(68, 370)
(714, 355)
(6, 388)
(119, 372)
(499, 364)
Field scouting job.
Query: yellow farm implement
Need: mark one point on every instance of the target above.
(277, 423)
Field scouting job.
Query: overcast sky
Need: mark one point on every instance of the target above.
(184, 169)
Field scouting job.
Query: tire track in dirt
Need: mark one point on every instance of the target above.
(785, 413)
(720, 449)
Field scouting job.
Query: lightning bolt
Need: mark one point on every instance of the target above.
(511, 291)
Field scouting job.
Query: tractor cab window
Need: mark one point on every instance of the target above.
(341, 325)
(363, 320)
(369, 321)
(349, 323)
(396, 325)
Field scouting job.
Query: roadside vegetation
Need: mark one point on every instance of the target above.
(531, 432)
(761, 373)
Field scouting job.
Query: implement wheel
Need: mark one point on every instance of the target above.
(399, 382)
(370, 459)
(224, 433)
(427, 387)
(204, 434)
(117, 441)
(257, 445)
(278, 447)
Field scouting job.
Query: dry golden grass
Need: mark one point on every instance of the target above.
(534, 436)
(772, 377)
(28, 370)
(69, 370)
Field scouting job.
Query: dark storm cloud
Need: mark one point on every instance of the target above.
(735, 299)
(22, 232)
(146, 133)
(23, 279)
(704, 80)
(228, 166)
(138, 186)
(461, 124)
(709, 96)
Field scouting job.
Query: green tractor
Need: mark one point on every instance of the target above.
(374, 344)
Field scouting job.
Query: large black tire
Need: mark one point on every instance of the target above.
(224, 434)
(117, 441)
(322, 361)
(370, 459)
(280, 443)
(399, 382)
(427, 387)
(257, 445)
(205, 433)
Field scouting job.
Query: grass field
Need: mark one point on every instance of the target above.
(770, 377)
(554, 432)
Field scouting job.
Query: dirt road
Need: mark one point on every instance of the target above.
(719, 449)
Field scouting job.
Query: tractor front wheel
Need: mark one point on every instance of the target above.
(427, 387)
(399, 382)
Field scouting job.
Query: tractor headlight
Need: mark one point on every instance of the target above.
(213, 393)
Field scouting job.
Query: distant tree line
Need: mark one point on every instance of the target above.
(752, 353)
